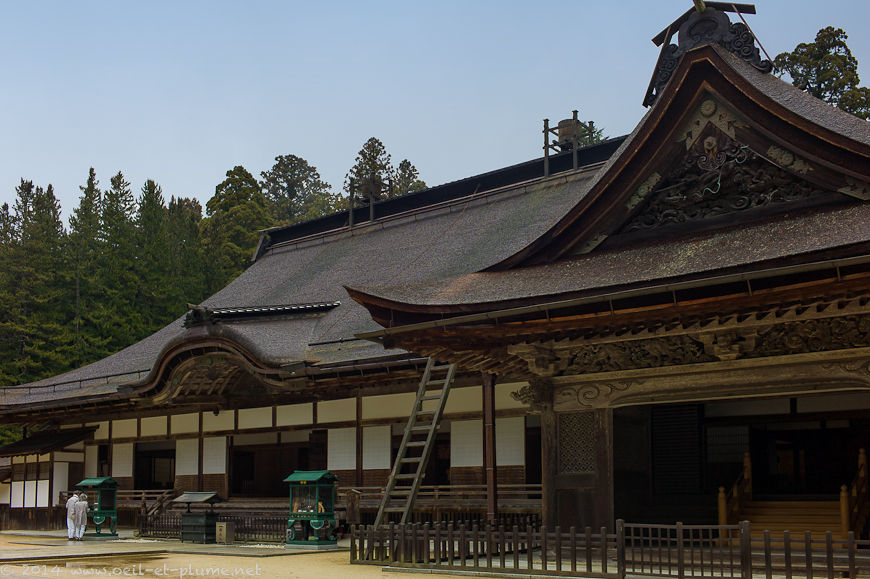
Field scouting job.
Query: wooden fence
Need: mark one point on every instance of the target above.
(252, 527)
(726, 551)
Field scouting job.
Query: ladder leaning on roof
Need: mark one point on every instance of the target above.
(417, 442)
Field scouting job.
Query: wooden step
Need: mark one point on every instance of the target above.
(797, 517)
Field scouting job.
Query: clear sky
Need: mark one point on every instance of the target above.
(181, 91)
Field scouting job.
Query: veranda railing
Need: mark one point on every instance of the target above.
(726, 551)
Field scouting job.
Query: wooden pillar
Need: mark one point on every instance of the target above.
(359, 439)
(489, 456)
(548, 465)
(604, 466)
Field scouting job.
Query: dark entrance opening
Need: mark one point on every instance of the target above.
(154, 465)
(801, 458)
(260, 470)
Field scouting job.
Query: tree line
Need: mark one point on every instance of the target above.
(129, 261)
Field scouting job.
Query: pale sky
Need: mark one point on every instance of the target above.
(181, 91)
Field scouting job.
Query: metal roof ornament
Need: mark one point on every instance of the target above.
(706, 24)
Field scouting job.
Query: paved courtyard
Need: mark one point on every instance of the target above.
(49, 554)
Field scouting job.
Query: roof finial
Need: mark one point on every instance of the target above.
(699, 5)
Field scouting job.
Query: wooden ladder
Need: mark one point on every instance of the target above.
(417, 442)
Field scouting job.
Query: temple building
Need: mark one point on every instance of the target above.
(699, 318)
(634, 324)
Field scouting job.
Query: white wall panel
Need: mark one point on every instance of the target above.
(223, 420)
(466, 442)
(341, 449)
(184, 423)
(187, 456)
(294, 414)
(69, 456)
(124, 428)
(42, 497)
(336, 410)
(376, 447)
(5, 492)
(16, 493)
(388, 405)
(255, 417)
(510, 440)
(154, 426)
(60, 480)
(214, 455)
(91, 461)
(122, 459)
(29, 493)
(464, 400)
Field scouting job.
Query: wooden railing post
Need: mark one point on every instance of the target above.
(681, 555)
(844, 510)
(722, 504)
(745, 550)
(620, 548)
(747, 473)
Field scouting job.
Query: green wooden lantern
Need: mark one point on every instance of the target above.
(312, 508)
(103, 503)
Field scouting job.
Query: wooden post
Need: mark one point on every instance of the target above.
(489, 456)
(603, 504)
(548, 465)
(851, 549)
(620, 549)
(745, 550)
(844, 510)
(546, 147)
(722, 505)
(747, 473)
(681, 555)
(722, 502)
(359, 439)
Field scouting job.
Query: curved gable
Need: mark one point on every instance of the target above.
(718, 119)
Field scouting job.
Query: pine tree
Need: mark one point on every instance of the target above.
(371, 174)
(31, 330)
(230, 232)
(84, 256)
(827, 70)
(185, 256)
(407, 179)
(117, 314)
(152, 265)
(296, 192)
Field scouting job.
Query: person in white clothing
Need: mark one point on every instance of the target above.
(80, 511)
(70, 516)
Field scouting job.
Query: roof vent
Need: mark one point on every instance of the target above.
(705, 24)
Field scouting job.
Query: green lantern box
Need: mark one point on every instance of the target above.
(312, 508)
(102, 503)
